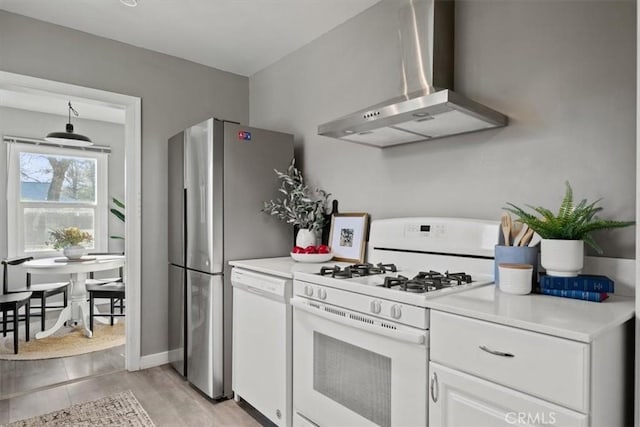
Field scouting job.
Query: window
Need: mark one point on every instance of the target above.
(50, 187)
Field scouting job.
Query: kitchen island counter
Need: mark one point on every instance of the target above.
(562, 317)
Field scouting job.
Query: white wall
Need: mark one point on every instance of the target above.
(31, 124)
(175, 94)
(563, 71)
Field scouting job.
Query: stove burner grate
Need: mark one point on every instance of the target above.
(426, 281)
(357, 270)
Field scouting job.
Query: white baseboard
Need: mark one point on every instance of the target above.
(151, 360)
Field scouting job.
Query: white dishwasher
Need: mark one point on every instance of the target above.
(262, 343)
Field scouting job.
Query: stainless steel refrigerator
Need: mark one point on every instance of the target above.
(219, 175)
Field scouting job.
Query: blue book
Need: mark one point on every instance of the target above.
(582, 282)
(583, 295)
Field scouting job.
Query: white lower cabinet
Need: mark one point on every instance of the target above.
(488, 374)
(461, 400)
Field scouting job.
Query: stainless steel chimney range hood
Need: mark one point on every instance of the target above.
(426, 28)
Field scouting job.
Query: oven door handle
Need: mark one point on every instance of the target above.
(419, 338)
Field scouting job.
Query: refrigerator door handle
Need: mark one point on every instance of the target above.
(184, 226)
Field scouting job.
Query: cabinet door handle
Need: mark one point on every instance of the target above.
(435, 392)
(496, 353)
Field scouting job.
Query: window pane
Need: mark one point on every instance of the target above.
(53, 178)
(38, 222)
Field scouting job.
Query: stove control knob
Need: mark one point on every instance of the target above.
(375, 307)
(322, 294)
(396, 311)
(308, 290)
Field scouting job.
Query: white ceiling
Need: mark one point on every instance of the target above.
(240, 36)
(46, 102)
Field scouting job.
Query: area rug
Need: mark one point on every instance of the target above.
(122, 409)
(65, 342)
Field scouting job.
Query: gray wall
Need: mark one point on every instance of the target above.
(31, 124)
(563, 71)
(175, 94)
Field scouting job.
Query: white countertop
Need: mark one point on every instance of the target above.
(281, 267)
(563, 317)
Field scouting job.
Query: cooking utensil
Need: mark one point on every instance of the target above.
(520, 235)
(505, 221)
(527, 237)
(535, 239)
(515, 229)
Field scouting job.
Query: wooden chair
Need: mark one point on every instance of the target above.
(39, 291)
(113, 291)
(13, 302)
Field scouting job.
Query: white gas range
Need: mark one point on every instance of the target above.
(361, 332)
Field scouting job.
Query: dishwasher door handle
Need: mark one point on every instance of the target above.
(254, 290)
(412, 337)
(258, 292)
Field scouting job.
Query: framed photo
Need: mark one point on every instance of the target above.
(348, 235)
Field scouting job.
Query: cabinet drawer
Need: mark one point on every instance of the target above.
(551, 368)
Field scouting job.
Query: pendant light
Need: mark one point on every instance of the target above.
(69, 137)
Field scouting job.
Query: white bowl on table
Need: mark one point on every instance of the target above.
(312, 257)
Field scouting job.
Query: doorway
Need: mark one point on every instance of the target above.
(131, 108)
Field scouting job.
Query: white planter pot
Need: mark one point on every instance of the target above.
(563, 258)
(306, 238)
(73, 252)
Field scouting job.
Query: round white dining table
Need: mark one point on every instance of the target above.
(77, 311)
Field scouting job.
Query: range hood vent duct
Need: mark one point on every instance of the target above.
(428, 108)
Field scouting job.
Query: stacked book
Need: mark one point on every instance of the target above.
(586, 287)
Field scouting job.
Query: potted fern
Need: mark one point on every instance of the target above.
(563, 234)
(299, 206)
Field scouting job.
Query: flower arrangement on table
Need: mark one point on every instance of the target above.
(68, 236)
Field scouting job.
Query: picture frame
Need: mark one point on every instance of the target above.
(348, 236)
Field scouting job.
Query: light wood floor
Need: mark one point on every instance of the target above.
(21, 376)
(167, 398)
(31, 388)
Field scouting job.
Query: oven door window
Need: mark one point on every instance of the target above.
(347, 373)
(354, 377)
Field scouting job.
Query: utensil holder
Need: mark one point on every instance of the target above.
(516, 255)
